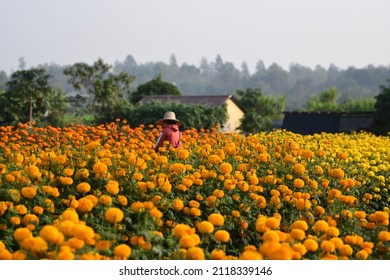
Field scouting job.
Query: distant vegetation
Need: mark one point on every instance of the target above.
(100, 92)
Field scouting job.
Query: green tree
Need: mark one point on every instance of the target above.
(24, 99)
(325, 101)
(107, 94)
(154, 87)
(382, 109)
(260, 110)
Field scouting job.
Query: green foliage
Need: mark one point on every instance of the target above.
(29, 97)
(260, 110)
(192, 116)
(106, 93)
(382, 109)
(154, 87)
(326, 101)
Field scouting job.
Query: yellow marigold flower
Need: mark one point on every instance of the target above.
(297, 234)
(114, 215)
(105, 199)
(65, 253)
(327, 246)
(20, 234)
(217, 254)
(216, 219)
(195, 253)
(122, 200)
(84, 205)
(205, 227)
(299, 183)
(310, 245)
(138, 176)
(122, 251)
(83, 187)
(320, 226)
(222, 235)
(28, 192)
(50, 233)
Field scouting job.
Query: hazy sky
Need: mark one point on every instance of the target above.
(309, 32)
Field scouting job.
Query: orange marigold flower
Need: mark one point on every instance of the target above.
(122, 251)
(320, 226)
(299, 183)
(22, 233)
(114, 215)
(222, 235)
(216, 219)
(84, 205)
(205, 227)
(83, 187)
(195, 253)
(337, 173)
(310, 245)
(299, 168)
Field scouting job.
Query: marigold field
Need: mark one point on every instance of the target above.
(84, 192)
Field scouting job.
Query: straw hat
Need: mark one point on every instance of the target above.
(168, 116)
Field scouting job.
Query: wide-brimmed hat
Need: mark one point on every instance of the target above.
(168, 116)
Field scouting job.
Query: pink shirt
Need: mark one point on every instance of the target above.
(170, 133)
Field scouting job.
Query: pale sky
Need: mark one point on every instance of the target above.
(308, 32)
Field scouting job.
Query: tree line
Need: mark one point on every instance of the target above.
(101, 92)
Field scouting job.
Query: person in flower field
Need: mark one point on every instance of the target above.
(170, 132)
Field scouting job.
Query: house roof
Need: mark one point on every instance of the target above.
(211, 100)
